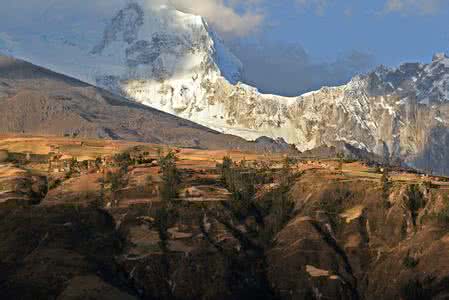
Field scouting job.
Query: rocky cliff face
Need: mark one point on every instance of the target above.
(174, 62)
(367, 250)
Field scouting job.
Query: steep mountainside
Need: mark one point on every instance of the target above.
(34, 100)
(174, 62)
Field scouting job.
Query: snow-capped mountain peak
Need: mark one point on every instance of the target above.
(175, 62)
(137, 42)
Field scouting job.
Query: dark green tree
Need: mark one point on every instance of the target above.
(386, 185)
(74, 168)
(170, 177)
(414, 202)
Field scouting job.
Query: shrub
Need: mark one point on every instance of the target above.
(123, 160)
(225, 169)
(54, 184)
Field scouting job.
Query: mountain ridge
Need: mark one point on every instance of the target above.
(174, 62)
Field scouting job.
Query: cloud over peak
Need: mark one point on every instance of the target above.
(233, 17)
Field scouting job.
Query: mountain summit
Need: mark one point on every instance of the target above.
(155, 55)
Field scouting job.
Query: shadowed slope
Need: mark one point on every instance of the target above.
(37, 101)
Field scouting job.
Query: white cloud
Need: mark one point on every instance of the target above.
(421, 7)
(224, 16)
(229, 17)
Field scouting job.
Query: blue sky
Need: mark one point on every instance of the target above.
(367, 26)
(328, 32)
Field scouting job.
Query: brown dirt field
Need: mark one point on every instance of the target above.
(200, 182)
